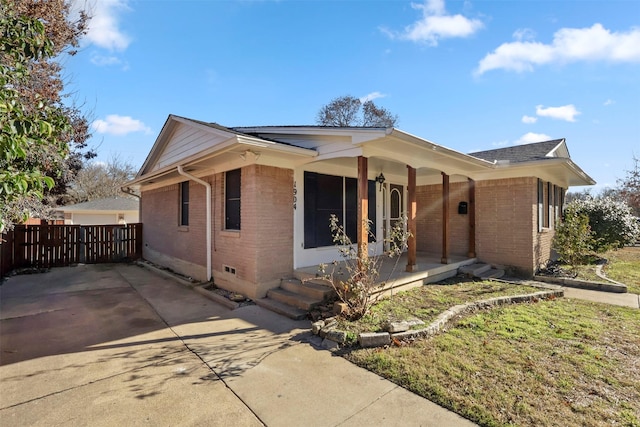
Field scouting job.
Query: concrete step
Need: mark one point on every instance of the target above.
(474, 269)
(304, 275)
(296, 300)
(493, 273)
(312, 289)
(281, 308)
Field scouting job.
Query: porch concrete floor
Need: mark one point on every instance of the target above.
(428, 269)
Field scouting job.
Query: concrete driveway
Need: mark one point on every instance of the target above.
(120, 345)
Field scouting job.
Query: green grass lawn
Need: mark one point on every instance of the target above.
(559, 362)
(624, 267)
(427, 302)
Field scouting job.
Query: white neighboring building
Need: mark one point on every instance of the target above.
(112, 210)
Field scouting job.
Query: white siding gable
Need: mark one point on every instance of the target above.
(187, 141)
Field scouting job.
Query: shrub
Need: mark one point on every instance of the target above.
(612, 222)
(573, 238)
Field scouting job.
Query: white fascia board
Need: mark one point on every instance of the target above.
(559, 150)
(418, 155)
(578, 171)
(551, 169)
(426, 144)
(167, 128)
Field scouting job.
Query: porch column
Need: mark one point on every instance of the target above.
(472, 219)
(445, 219)
(363, 210)
(411, 218)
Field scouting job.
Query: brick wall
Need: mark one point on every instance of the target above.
(250, 260)
(262, 251)
(506, 223)
(429, 219)
(164, 239)
(274, 217)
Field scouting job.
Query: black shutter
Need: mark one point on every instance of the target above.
(372, 211)
(232, 199)
(310, 209)
(184, 203)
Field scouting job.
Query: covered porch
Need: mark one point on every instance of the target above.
(393, 277)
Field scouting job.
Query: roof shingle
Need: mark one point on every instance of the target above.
(107, 204)
(519, 153)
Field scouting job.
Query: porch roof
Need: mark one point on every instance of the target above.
(201, 147)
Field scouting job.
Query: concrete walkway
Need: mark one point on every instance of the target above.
(117, 344)
(624, 300)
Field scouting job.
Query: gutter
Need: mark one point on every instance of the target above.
(208, 215)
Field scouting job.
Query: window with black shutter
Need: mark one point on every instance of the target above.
(184, 203)
(232, 200)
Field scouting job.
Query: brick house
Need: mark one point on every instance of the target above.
(248, 206)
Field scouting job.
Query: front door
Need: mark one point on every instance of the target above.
(393, 203)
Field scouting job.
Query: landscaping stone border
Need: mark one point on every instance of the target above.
(619, 288)
(327, 328)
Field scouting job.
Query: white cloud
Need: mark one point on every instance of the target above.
(609, 102)
(531, 137)
(566, 112)
(104, 26)
(595, 43)
(103, 61)
(524, 34)
(372, 96)
(119, 125)
(529, 119)
(436, 24)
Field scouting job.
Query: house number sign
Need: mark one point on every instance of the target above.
(295, 197)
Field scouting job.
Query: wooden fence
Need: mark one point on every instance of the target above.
(46, 246)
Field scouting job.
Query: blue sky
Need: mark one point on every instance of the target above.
(470, 75)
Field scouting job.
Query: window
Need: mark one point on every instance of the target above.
(232, 200)
(559, 203)
(543, 205)
(325, 195)
(550, 203)
(184, 203)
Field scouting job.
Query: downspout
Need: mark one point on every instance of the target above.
(129, 191)
(208, 215)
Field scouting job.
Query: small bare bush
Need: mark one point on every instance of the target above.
(361, 286)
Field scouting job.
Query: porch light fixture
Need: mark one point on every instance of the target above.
(380, 179)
